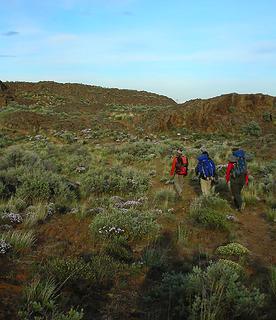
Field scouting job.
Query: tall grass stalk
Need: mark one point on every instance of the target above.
(19, 240)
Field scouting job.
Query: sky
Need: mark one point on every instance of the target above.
(181, 49)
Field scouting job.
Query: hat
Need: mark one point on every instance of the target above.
(203, 149)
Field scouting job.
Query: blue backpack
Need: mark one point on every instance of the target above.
(206, 166)
(240, 165)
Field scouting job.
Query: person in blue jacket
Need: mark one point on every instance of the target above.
(206, 170)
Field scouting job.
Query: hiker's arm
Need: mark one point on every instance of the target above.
(246, 178)
(228, 171)
(173, 168)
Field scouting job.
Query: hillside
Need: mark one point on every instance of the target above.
(91, 226)
(49, 105)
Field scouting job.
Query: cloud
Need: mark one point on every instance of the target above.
(10, 33)
(128, 13)
(266, 48)
(7, 56)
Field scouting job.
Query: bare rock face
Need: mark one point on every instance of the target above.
(3, 94)
(3, 87)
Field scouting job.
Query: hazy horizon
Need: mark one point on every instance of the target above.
(179, 49)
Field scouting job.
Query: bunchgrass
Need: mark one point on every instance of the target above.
(250, 193)
(271, 215)
(19, 240)
(35, 214)
(164, 197)
(182, 234)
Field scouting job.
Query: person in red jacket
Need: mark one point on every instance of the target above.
(237, 175)
(179, 170)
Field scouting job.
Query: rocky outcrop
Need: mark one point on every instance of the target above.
(5, 94)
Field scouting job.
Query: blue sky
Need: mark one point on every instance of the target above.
(182, 49)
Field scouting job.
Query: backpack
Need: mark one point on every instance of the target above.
(206, 167)
(240, 165)
(181, 168)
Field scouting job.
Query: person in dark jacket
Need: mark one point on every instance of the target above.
(206, 170)
(179, 170)
(237, 175)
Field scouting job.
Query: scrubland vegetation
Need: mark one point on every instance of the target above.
(92, 229)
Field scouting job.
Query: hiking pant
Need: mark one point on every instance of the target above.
(236, 186)
(178, 183)
(206, 187)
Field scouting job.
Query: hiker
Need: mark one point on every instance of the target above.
(179, 170)
(237, 174)
(206, 170)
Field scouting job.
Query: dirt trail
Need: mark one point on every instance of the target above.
(258, 236)
(253, 231)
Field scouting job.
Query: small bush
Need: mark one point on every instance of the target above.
(119, 249)
(233, 249)
(139, 151)
(210, 212)
(114, 180)
(267, 117)
(218, 290)
(252, 129)
(44, 186)
(100, 270)
(154, 257)
(130, 223)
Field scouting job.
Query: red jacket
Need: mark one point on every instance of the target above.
(183, 169)
(228, 172)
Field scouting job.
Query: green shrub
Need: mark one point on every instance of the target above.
(218, 290)
(41, 186)
(99, 270)
(130, 223)
(9, 181)
(266, 116)
(114, 180)
(252, 129)
(119, 249)
(233, 249)
(155, 257)
(210, 212)
(139, 151)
